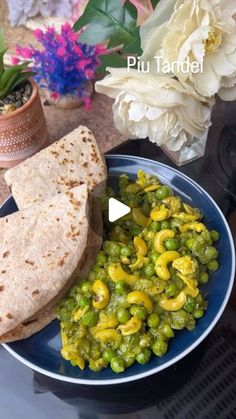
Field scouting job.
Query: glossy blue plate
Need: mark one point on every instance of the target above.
(41, 352)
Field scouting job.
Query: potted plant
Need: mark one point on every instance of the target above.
(23, 129)
(65, 68)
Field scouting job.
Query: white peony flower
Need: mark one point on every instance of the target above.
(203, 31)
(160, 108)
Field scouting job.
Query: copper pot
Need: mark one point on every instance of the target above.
(23, 132)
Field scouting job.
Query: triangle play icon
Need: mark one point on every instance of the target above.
(116, 210)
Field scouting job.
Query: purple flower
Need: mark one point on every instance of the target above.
(63, 65)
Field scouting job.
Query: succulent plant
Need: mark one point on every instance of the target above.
(13, 75)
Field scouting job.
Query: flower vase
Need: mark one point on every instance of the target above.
(189, 152)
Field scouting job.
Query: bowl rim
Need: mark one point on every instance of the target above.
(120, 380)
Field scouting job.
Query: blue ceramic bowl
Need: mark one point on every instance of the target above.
(41, 352)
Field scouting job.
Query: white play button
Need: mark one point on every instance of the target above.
(116, 210)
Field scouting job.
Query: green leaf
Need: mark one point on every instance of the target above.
(21, 79)
(134, 47)
(154, 3)
(1, 39)
(107, 20)
(112, 60)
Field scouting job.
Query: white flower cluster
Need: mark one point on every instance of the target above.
(175, 109)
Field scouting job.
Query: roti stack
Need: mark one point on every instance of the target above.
(54, 238)
(69, 162)
(44, 249)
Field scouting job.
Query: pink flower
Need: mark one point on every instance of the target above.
(15, 60)
(54, 95)
(38, 33)
(82, 63)
(61, 51)
(23, 52)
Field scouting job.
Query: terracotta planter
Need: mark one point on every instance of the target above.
(23, 132)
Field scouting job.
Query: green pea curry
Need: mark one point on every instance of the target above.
(145, 283)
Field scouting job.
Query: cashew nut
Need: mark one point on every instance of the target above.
(173, 202)
(80, 313)
(191, 285)
(174, 304)
(102, 295)
(185, 265)
(107, 335)
(133, 187)
(198, 227)
(162, 262)
(139, 217)
(140, 297)
(160, 237)
(131, 326)
(106, 321)
(117, 273)
(160, 214)
(140, 246)
(141, 249)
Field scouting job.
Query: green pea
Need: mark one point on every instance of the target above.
(160, 347)
(167, 331)
(204, 277)
(190, 304)
(165, 225)
(123, 315)
(184, 251)
(97, 364)
(135, 231)
(155, 226)
(198, 313)
(84, 301)
(108, 354)
(129, 359)
(101, 259)
(86, 287)
(171, 289)
(172, 244)
(153, 256)
(145, 340)
(90, 319)
(117, 364)
(111, 248)
(122, 302)
(162, 192)
(211, 253)
(176, 223)
(178, 319)
(139, 312)
(101, 274)
(144, 356)
(149, 270)
(95, 351)
(214, 235)
(213, 265)
(153, 320)
(120, 287)
(126, 251)
(92, 276)
(190, 243)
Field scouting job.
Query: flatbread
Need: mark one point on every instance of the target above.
(46, 315)
(69, 162)
(41, 250)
